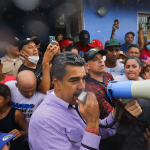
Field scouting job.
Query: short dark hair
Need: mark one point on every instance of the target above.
(72, 46)
(133, 57)
(5, 92)
(60, 62)
(135, 46)
(129, 33)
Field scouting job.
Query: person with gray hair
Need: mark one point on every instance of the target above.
(57, 123)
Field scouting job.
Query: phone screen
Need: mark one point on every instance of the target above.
(51, 39)
(116, 21)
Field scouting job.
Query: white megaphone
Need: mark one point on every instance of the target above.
(129, 89)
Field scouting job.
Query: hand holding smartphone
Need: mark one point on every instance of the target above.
(51, 39)
(116, 21)
(116, 25)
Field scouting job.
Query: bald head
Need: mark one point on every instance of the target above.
(26, 83)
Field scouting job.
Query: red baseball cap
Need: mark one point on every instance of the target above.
(96, 43)
(65, 43)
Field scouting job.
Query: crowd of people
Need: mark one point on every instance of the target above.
(39, 105)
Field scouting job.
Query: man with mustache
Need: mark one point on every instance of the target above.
(57, 123)
(112, 65)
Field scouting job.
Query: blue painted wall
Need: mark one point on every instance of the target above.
(101, 27)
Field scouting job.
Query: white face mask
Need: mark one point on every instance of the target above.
(33, 59)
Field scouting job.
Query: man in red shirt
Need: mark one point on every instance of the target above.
(84, 38)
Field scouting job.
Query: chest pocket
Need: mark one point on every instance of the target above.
(8, 71)
(75, 135)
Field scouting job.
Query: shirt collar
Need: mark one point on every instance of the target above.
(20, 57)
(89, 79)
(57, 100)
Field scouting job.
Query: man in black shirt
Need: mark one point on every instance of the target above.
(28, 49)
(37, 71)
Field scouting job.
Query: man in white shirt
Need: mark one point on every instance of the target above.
(112, 65)
(24, 95)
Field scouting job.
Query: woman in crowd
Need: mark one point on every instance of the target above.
(145, 73)
(12, 120)
(72, 48)
(132, 67)
(135, 131)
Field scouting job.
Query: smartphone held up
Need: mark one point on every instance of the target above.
(116, 21)
(51, 39)
(143, 25)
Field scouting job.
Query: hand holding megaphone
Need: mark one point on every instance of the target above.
(132, 107)
(90, 111)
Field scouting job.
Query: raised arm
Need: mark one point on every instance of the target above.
(48, 56)
(141, 38)
(114, 28)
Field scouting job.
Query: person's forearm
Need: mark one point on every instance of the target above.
(25, 132)
(90, 141)
(46, 81)
(113, 35)
(141, 39)
(93, 126)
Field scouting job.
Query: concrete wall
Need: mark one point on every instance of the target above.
(101, 27)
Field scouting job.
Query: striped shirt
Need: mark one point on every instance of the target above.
(56, 125)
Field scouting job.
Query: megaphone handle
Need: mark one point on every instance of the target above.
(124, 101)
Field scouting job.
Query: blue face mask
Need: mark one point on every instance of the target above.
(148, 47)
